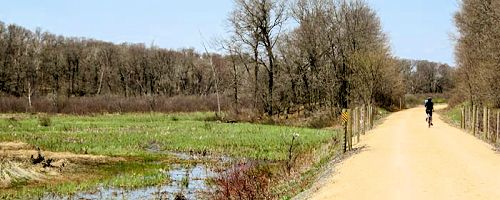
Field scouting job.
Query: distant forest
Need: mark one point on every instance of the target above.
(336, 57)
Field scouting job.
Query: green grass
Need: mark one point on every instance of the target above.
(439, 100)
(132, 134)
(454, 115)
(412, 100)
(382, 112)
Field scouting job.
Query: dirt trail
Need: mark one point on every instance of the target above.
(403, 159)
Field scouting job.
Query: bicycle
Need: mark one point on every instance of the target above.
(429, 118)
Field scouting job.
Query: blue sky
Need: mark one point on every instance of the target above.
(418, 29)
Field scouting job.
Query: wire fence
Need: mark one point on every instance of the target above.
(482, 122)
(357, 121)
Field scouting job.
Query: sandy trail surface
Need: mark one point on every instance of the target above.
(403, 159)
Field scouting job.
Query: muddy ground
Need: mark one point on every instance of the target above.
(26, 164)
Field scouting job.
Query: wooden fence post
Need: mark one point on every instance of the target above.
(473, 124)
(478, 121)
(353, 122)
(364, 119)
(369, 117)
(466, 118)
(485, 123)
(349, 134)
(353, 125)
(488, 116)
(467, 125)
(359, 124)
(479, 118)
(471, 118)
(368, 109)
(462, 117)
(498, 126)
(356, 122)
(346, 132)
(474, 120)
(372, 115)
(400, 104)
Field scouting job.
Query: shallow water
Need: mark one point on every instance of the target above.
(197, 175)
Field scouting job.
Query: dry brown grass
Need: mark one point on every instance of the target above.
(23, 151)
(17, 168)
(12, 172)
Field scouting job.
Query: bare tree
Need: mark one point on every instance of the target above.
(258, 24)
(478, 50)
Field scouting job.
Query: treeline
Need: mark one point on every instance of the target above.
(427, 77)
(336, 56)
(478, 52)
(40, 63)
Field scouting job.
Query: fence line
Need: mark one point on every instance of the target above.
(357, 121)
(480, 122)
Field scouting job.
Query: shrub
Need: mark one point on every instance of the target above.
(248, 180)
(112, 104)
(174, 118)
(214, 118)
(321, 120)
(413, 100)
(44, 121)
(13, 122)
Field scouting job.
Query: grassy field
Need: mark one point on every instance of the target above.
(134, 134)
(142, 139)
(412, 100)
(453, 115)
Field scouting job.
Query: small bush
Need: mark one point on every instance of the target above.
(244, 181)
(185, 181)
(174, 118)
(413, 100)
(321, 120)
(243, 115)
(214, 118)
(12, 121)
(12, 104)
(44, 121)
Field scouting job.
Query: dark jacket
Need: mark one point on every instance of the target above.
(429, 105)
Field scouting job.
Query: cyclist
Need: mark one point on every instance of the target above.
(429, 108)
